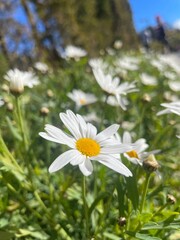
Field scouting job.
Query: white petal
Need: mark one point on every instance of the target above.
(91, 131)
(77, 159)
(114, 164)
(61, 161)
(47, 137)
(126, 137)
(86, 167)
(71, 125)
(59, 135)
(107, 133)
(118, 148)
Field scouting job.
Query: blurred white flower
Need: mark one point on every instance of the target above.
(18, 79)
(173, 107)
(98, 63)
(128, 63)
(159, 65)
(81, 98)
(86, 145)
(148, 80)
(118, 44)
(174, 85)
(42, 67)
(167, 95)
(171, 60)
(92, 117)
(74, 52)
(122, 102)
(1, 102)
(112, 85)
(170, 75)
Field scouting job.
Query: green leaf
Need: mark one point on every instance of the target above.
(146, 237)
(121, 193)
(132, 191)
(163, 226)
(13, 130)
(101, 196)
(5, 235)
(111, 236)
(9, 177)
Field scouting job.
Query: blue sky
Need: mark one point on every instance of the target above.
(144, 12)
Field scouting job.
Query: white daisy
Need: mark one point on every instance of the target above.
(74, 52)
(136, 155)
(122, 101)
(174, 85)
(86, 145)
(128, 63)
(173, 107)
(148, 80)
(112, 85)
(81, 98)
(1, 102)
(18, 79)
(42, 67)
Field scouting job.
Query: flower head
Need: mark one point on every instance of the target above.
(81, 98)
(42, 67)
(173, 107)
(19, 79)
(74, 52)
(112, 85)
(148, 80)
(137, 154)
(86, 145)
(1, 102)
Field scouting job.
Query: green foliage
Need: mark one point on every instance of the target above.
(37, 205)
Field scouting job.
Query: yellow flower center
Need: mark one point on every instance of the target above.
(82, 101)
(132, 154)
(88, 147)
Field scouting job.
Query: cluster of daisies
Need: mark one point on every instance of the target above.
(85, 143)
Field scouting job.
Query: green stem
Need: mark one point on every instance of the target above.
(160, 210)
(144, 192)
(85, 206)
(7, 153)
(21, 124)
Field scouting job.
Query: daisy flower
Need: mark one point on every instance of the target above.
(86, 145)
(137, 154)
(18, 79)
(42, 67)
(174, 85)
(173, 107)
(74, 52)
(81, 98)
(1, 102)
(148, 80)
(112, 85)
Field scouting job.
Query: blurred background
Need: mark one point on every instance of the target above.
(39, 30)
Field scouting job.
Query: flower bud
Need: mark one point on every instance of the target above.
(44, 111)
(50, 93)
(171, 199)
(122, 221)
(5, 88)
(150, 164)
(146, 98)
(9, 107)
